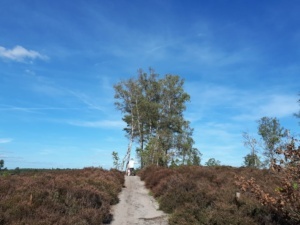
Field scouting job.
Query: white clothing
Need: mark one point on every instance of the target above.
(131, 164)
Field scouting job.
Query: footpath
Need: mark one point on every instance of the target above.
(136, 206)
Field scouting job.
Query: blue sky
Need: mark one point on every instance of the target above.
(60, 59)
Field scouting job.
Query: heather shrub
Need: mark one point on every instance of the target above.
(186, 214)
(207, 195)
(154, 179)
(59, 197)
(284, 199)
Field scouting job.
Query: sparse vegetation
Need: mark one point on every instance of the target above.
(59, 196)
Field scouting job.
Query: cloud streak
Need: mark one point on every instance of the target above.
(34, 109)
(20, 54)
(243, 105)
(279, 105)
(86, 100)
(99, 124)
(5, 140)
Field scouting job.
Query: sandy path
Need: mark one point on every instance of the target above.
(136, 206)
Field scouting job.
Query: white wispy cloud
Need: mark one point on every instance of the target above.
(99, 124)
(5, 140)
(220, 140)
(280, 105)
(240, 105)
(20, 54)
(34, 109)
(206, 98)
(46, 152)
(87, 100)
(47, 89)
(272, 105)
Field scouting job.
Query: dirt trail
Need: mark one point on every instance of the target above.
(136, 206)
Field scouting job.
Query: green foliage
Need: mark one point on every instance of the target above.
(153, 111)
(17, 170)
(116, 160)
(5, 173)
(195, 157)
(213, 162)
(272, 133)
(1, 164)
(252, 161)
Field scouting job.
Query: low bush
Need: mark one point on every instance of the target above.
(59, 196)
(207, 195)
(284, 200)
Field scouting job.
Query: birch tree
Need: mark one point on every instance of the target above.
(272, 133)
(252, 159)
(153, 111)
(125, 93)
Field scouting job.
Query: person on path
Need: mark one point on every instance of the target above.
(130, 167)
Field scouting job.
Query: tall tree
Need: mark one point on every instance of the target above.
(170, 122)
(153, 111)
(126, 93)
(186, 153)
(252, 159)
(116, 159)
(149, 102)
(272, 133)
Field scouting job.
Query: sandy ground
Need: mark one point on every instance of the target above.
(136, 206)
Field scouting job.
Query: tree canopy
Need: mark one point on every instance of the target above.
(152, 109)
(213, 162)
(252, 159)
(1, 163)
(272, 133)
